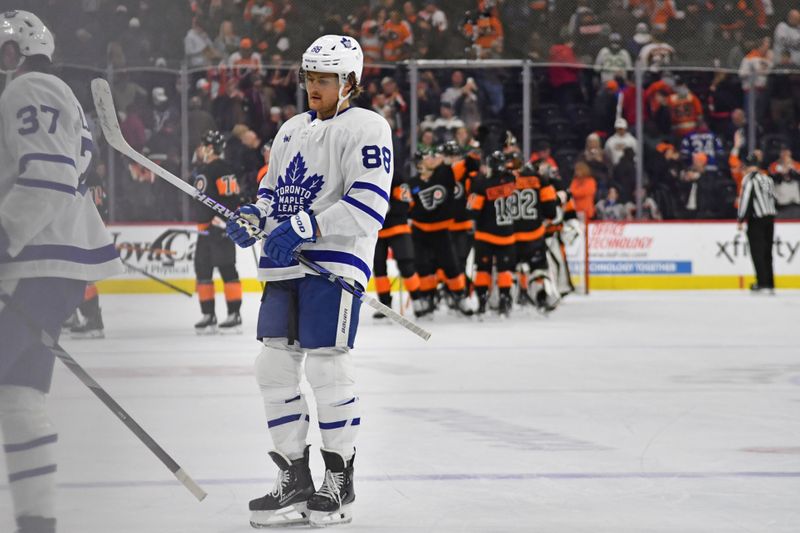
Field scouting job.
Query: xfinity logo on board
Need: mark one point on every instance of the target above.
(738, 247)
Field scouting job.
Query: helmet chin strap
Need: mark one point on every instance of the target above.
(342, 97)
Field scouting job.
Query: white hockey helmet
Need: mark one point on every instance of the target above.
(335, 54)
(29, 32)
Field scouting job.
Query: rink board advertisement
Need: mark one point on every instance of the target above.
(684, 255)
(670, 255)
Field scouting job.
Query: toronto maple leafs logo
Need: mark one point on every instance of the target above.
(295, 191)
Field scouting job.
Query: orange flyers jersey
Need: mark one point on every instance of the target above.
(494, 204)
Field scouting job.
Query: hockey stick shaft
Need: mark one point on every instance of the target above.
(108, 401)
(164, 282)
(107, 117)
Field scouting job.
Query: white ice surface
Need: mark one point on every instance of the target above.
(622, 412)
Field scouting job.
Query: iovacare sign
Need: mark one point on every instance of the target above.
(166, 251)
(684, 249)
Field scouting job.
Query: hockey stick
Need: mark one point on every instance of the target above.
(109, 402)
(107, 116)
(157, 279)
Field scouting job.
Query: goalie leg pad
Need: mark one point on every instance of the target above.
(278, 369)
(29, 440)
(330, 373)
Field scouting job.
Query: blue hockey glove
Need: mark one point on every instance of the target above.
(238, 232)
(290, 235)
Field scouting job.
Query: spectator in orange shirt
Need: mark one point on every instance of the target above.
(684, 109)
(397, 38)
(245, 60)
(583, 189)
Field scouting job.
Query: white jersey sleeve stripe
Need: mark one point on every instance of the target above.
(370, 187)
(364, 207)
(44, 184)
(49, 158)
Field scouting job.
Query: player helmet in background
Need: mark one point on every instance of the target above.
(496, 162)
(529, 169)
(29, 32)
(334, 54)
(450, 149)
(215, 140)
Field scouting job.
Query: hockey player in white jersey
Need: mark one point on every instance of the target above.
(52, 241)
(326, 193)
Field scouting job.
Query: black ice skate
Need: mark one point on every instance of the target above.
(504, 304)
(385, 299)
(286, 504)
(36, 524)
(332, 503)
(232, 324)
(74, 320)
(423, 306)
(91, 329)
(207, 325)
(460, 303)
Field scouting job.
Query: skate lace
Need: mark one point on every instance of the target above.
(331, 486)
(280, 483)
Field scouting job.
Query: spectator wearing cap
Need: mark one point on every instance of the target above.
(787, 36)
(279, 40)
(445, 125)
(612, 59)
(641, 38)
(272, 124)
(786, 173)
(136, 44)
(198, 47)
(604, 108)
(244, 60)
(617, 143)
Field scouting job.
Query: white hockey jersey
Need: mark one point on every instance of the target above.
(341, 170)
(53, 226)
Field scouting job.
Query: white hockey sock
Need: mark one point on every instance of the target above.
(29, 440)
(287, 421)
(339, 423)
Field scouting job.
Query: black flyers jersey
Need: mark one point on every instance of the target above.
(536, 202)
(433, 199)
(218, 181)
(396, 220)
(465, 171)
(493, 201)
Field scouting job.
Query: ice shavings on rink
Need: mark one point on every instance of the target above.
(639, 412)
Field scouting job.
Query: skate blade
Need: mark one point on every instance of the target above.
(206, 331)
(293, 515)
(92, 334)
(322, 519)
(235, 330)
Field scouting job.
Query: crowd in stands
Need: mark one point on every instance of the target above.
(242, 56)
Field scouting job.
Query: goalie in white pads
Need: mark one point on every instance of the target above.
(52, 241)
(327, 191)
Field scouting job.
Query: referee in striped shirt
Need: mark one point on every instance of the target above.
(757, 208)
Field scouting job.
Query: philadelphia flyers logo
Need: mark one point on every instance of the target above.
(433, 197)
(458, 193)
